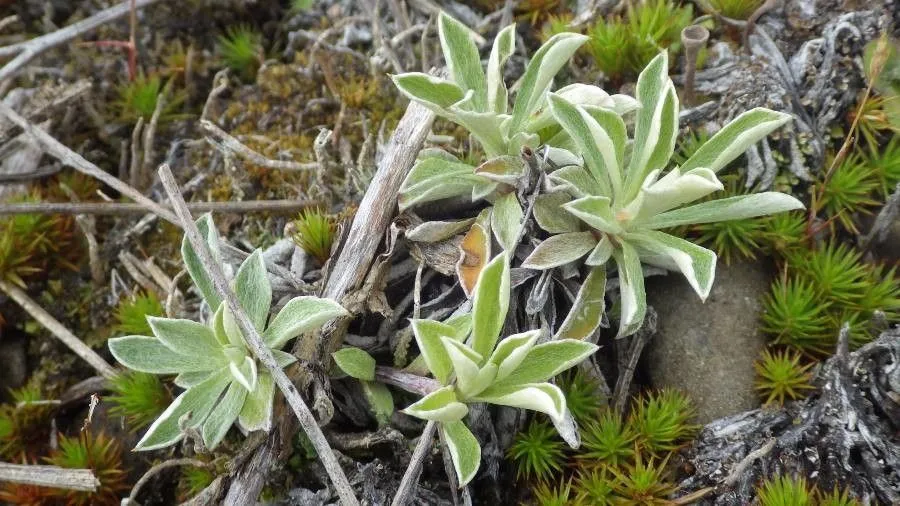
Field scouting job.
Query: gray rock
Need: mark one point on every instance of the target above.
(708, 349)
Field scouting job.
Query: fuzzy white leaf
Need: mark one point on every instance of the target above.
(575, 94)
(551, 216)
(381, 402)
(355, 362)
(437, 231)
(433, 92)
(652, 89)
(672, 190)
(576, 181)
(471, 378)
(732, 208)
(282, 358)
(546, 360)
(504, 46)
(462, 58)
(440, 406)
(220, 420)
(559, 250)
(188, 379)
(253, 290)
(596, 212)
(188, 337)
(192, 262)
(545, 63)
(245, 373)
(465, 452)
(601, 253)
(198, 401)
(435, 178)
(735, 138)
(541, 397)
(484, 126)
(587, 311)
(631, 290)
(148, 354)
(490, 304)
(698, 264)
(256, 413)
(428, 334)
(506, 220)
(511, 351)
(300, 314)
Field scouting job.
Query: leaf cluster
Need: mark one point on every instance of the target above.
(785, 490)
(25, 424)
(221, 377)
(99, 453)
(314, 233)
(781, 377)
(240, 48)
(138, 99)
(138, 397)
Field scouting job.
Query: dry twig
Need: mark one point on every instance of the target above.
(255, 342)
(49, 476)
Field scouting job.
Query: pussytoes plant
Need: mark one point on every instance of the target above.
(473, 364)
(615, 203)
(211, 361)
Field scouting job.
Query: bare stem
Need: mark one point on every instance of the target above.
(255, 342)
(124, 208)
(411, 477)
(49, 476)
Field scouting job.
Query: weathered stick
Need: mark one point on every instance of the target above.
(57, 329)
(127, 208)
(49, 476)
(29, 49)
(158, 468)
(255, 342)
(410, 479)
(68, 157)
(230, 143)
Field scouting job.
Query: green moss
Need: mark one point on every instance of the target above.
(138, 397)
(608, 440)
(101, 455)
(643, 482)
(314, 232)
(537, 451)
(595, 487)
(784, 491)
(132, 312)
(735, 9)
(138, 99)
(848, 192)
(885, 163)
(781, 377)
(583, 396)
(241, 50)
(795, 315)
(548, 495)
(25, 424)
(623, 46)
(661, 420)
(837, 498)
(193, 480)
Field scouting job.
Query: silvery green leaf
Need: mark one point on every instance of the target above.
(602, 155)
(561, 157)
(433, 92)
(463, 60)
(428, 334)
(483, 188)
(576, 94)
(521, 140)
(545, 63)
(623, 104)
(490, 304)
(440, 406)
(484, 126)
(576, 181)
(471, 377)
(437, 231)
(633, 299)
(462, 325)
(668, 132)
(198, 400)
(188, 338)
(511, 351)
(253, 290)
(148, 354)
(355, 362)
(506, 220)
(596, 212)
(434, 178)
(465, 452)
(380, 400)
(698, 264)
(568, 429)
(220, 419)
(502, 169)
(192, 262)
(504, 46)
(300, 314)
(550, 215)
(283, 358)
(233, 330)
(188, 379)
(475, 251)
(601, 253)
(652, 90)
(672, 190)
(735, 138)
(256, 413)
(559, 250)
(546, 360)
(218, 326)
(245, 373)
(731, 208)
(587, 311)
(541, 397)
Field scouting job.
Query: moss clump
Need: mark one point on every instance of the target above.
(538, 452)
(131, 313)
(101, 455)
(314, 233)
(25, 425)
(240, 48)
(781, 376)
(138, 397)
